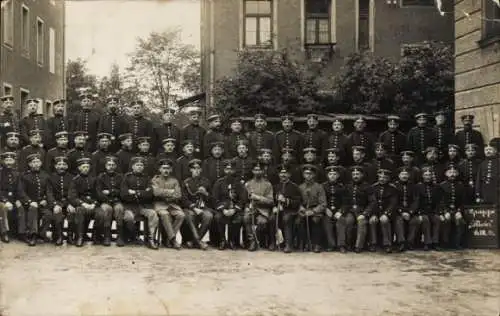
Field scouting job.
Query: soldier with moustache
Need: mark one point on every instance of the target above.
(98, 162)
(60, 150)
(468, 169)
(214, 133)
(234, 137)
(60, 122)
(169, 150)
(125, 153)
(79, 151)
(260, 137)
(335, 193)
(167, 130)
(288, 136)
(35, 147)
(11, 209)
(268, 165)
(144, 151)
(432, 162)
(407, 158)
(287, 199)
(139, 125)
(361, 137)
(12, 144)
(338, 140)
(381, 161)
(243, 162)
(314, 137)
(419, 138)
(288, 160)
(453, 156)
(407, 206)
(112, 123)
(213, 166)
(393, 139)
(488, 175)
(86, 120)
(359, 159)
(468, 135)
(194, 132)
(443, 135)
(9, 120)
(333, 159)
(33, 121)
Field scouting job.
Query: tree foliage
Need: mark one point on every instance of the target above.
(77, 77)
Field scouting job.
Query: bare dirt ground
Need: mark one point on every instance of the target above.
(47, 281)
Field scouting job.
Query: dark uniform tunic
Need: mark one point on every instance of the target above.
(443, 136)
(338, 141)
(415, 174)
(394, 142)
(452, 162)
(51, 155)
(315, 138)
(221, 196)
(87, 121)
(468, 169)
(213, 169)
(139, 183)
(259, 140)
(8, 185)
(26, 151)
(335, 195)
(111, 182)
(369, 171)
(9, 122)
(60, 183)
(191, 199)
(114, 124)
(98, 161)
(124, 156)
(150, 167)
(470, 136)
(452, 196)
(437, 171)
(195, 133)
(32, 122)
(419, 138)
(488, 180)
(429, 196)
(356, 200)
(55, 124)
(34, 187)
(140, 126)
(383, 199)
(211, 136)
(182, 168)
(73, 156)
(407, 197)
(289, 139)
(362, 138)
(270, 173)
(291, 192)
(383, 163)
(164, 131)
(243, 168)
(231, 144)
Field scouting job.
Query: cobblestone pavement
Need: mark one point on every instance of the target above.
(137, 281)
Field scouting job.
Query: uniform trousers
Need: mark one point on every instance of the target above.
(418, 222)
(234, 224)
(345, 228)
(315, 228)
(457, 220)
(328, 229)
(171, 217)
(362, 225)
(386, 228)
(4, 219)
(198, 224)
(82, 217)
(29, 220)
(134, 212)
(251, 218)
(110, 211)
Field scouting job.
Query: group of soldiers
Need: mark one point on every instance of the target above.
(313, 191)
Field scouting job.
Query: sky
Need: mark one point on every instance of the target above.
(103, 32)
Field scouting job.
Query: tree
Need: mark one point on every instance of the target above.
(162, 68)
(77, 77)
(266, 81)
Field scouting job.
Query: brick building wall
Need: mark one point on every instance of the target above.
(20, 69)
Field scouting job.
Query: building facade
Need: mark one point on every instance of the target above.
(32, 51)
(315, 29)
(477, 64)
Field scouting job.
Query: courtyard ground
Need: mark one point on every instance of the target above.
(46, 281)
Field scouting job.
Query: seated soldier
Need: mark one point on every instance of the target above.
(167, 195)
(11, 209)
(407, 204)
(108, 194)
(137, 195)
(312, 210)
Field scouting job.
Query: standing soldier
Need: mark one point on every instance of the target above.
(467, 170)
(358, 158)
(32, 121)
(125, 153)
(35, 146)
(381, 161)
(10, 206)
(312, 210)
(488, 175)
(469, 135)
(443, 134)
(12, 144)
(288, 136)
(360, 137)
(59, 180)
(182, 163)
(260, 192)
(393, 139)
(9, 121)
(260, 137)
(36, 196)
(335, 193)
(112, 123)
(333, 159)
(314, 137)
(60, 150)
(144, 147)
(99, 157)
(60, 122)
(169, 150)
(287, 200)
(235, 136)
(431, 162)
(79, 151)
(243, 162)
(407, 204)
(139, 125)
(407, 162)
(137, 194)
(311, 158)
(338, 140)
(86, 120)
(268, 165)
(213, 167)
(419, 138)
(194, 132)
(214, 134)
(167, 130)
(108, 185)
(452, 157)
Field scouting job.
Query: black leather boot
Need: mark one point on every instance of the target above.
(58, 235)
(107, 237)
(5, 238)
(32, 240)
(120, 241)
(152, 244)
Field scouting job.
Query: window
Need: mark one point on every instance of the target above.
(39, 41)
(491, 26)
(24, 96)
(8, 18)
(25, 30)
(417, 3)
(318, 29)
(258, 19)
(7, 89)
(52, 50)
(48, 108)
(364, 25)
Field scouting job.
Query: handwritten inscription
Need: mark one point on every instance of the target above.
(483, 227)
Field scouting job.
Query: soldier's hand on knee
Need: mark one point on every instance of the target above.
(9, 206)
(360, 218)
(329, 212)
(57, 209)
(43, 203)
(18, 204)
(71, 209)
(275, 210)
(338, 215)
(34, 204)
(384, 218)
(406, 216)
(441, 217)
(105, 192)
(309, 213)
(420, 218)
(447, 216)
(197, 210)
(458, 215)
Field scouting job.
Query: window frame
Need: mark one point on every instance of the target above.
(40, 50)
(52, 51)
(21, 101)
(490, 29)
(317, 17)
(8, 39)
(7, 85)
(25, 42)
(431, 4)
(246, 15)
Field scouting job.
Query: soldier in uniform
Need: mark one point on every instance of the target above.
(213, 166)
(359, 159)
(60, 122)
(82, 196)
(469, 135)
(125, 153)
(432, 162)
(194, 132)
(243, 162)
(428, 195)
(443, 134)
(333, 159)
(60, 150)
(112, 123)
(230, 198)
(35, 147)
(419, 138)
(314, 137)
(356, 212)
(407, 157)
(453, 157)
(213, 134)
(9, 200)
(167, 195)
(382, 209)
(335, 193)
(36, 196)
(488, 175)
(452, 206)
(338, 140)
(393, 139)
(182, 163)
(311, 212)
(268, 165)
(137, 194)
(310, 158)
(197, 204)
(235, 136)
(144, 147)
(167, 130)
(381, 161)
(407, 205)
(99, 156)
(260, 137)
(33, 121)
(287, 199)
(79, 151)
(360, 137)
(108, 186)
(59, 180)
(288, 160)
(288, 136)
(139, 125)
(86, 120)
(9, 121)
(12, 144)
(257, 212)
(169, 150)
(467, 169)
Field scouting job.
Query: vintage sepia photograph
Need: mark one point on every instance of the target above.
(250, 157)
